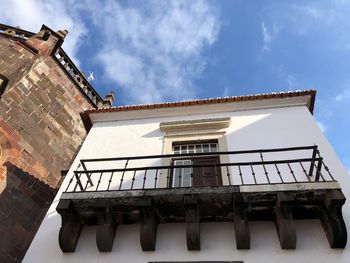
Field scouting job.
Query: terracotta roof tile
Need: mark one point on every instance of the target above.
(273, 95)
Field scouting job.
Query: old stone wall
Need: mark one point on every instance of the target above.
(40, 131)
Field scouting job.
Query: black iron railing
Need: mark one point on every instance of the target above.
(78, 78)
(249, 167)
(15, 32)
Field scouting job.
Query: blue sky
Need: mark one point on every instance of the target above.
(152, 51)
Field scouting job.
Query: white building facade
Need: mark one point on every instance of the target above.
(240, 179)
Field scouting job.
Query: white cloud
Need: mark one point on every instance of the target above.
(343, 95)
(268, 35)
(31, 14)
(153, 50)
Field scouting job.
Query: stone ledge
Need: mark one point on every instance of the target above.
(289, 187)
(192, 206)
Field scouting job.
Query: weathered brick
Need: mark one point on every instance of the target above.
(40, 119)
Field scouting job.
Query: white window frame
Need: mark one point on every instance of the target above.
(198, 131)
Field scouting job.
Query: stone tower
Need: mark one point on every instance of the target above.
(42, 94)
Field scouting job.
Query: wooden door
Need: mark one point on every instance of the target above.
(207, 175)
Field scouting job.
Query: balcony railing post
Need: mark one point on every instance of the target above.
(77, 178)
(318, 170)
(88, 175)
(314, 152)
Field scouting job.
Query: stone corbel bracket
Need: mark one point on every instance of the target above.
(192, 222)
(148, 225)
(71, 226)
(332, 219)
(240, 220)
(106, 228)
(284, 220)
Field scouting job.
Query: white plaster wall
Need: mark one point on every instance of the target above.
(267, 128)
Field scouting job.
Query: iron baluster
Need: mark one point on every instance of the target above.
(303, 168)
(168, 177)
(253, 173)
(292, 172)
(325, 167)
(99, 181)
(122, 178)
(279, 173)
(88, 175)
(110, 180)
(216, 174)
(228, 175)
(69, 183)
(240, 174)
(133, 180)
(191, 178)
(327, 170)
(180, 177)
(77, 177)
(155, 179)
(265, 171)
(144, 179)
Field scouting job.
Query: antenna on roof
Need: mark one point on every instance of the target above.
(91, 76)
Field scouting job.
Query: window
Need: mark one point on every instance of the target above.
(194, 136)
(207, 175)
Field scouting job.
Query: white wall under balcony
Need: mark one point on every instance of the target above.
(250, 129)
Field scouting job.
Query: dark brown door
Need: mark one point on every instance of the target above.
(207, 175)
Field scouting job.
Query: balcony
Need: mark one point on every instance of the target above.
(280, 185)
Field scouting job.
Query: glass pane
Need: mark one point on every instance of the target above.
(213, 147)
(184, 149)
(191, 149)
(198, 148)
(176, 182)
(177, 174)
(182, 176)
(176, 149)
(205, 148)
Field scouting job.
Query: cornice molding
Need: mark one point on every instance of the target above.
(194, 125)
